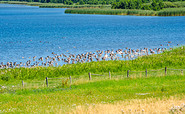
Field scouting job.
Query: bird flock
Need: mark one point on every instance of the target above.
(99, 55)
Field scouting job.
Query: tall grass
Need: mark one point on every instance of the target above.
(164, 12)
(172, 12)
(110, 11)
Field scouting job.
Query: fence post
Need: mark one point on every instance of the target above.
(47, 81)
(165, 71)
(89, 76)
(146, 72)
(109, 75)
(127, 73)
(22, 84)
(70, 79)
(182, 72)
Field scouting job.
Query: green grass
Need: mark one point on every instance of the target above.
(52, 100)
(172, 12)
(170, 59)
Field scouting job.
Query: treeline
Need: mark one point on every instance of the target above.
(116, 4)
(155, 5)
(138, 4)
(71, 2)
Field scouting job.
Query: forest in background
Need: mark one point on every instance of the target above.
(155, 5)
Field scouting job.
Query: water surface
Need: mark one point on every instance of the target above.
(27, 31)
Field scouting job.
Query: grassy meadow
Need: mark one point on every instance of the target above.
(156, 93)
(96, 94)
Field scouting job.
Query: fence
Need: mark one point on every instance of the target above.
(59, 82)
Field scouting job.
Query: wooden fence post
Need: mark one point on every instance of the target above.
(181, 72)
(47, 81)
(127, 73)
(70, 79)
(89, 76)
(109, 75)
(22, 84)
(165, 71)
(146, 72)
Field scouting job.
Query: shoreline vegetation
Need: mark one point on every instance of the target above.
(54, 5)
(155, 93)
(172, 59)
(136, 94)
(136, 12)
(171, 9)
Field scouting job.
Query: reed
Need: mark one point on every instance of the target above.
(172, 12)
(110, 11)
(165, 12)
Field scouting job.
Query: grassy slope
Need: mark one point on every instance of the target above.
(170, 59)
(45, 100)
(108, 91)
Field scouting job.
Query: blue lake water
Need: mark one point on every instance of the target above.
(27, 31)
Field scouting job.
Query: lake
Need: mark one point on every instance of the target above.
(27, 31)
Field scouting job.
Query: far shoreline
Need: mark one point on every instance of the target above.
(103, 9)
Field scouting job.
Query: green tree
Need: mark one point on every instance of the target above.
(81, 2)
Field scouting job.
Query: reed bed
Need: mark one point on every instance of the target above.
(172, 12)
(110, 11)
(164, 12)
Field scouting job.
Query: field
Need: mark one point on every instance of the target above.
(100, 93)
(138, 93)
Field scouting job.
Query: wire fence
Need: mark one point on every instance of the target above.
(67, 81)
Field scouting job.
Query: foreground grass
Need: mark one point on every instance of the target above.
(140, 106)
(164, 12)
(63, 100)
